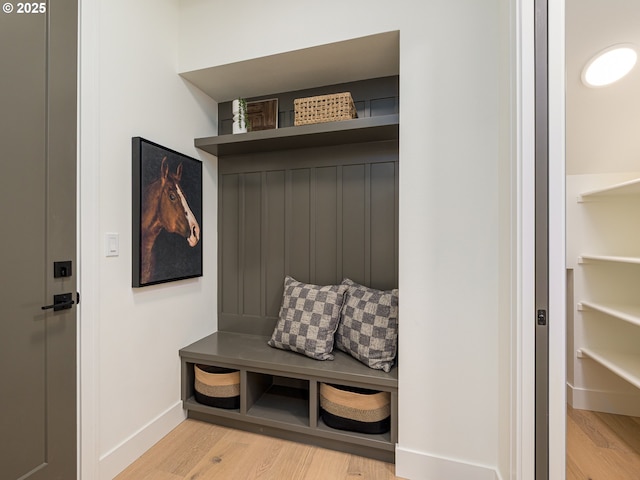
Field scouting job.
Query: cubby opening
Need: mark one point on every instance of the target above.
(277, 398)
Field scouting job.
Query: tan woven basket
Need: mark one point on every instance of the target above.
(217, 386)
(355, 409)
(324, 108)
(371, 407)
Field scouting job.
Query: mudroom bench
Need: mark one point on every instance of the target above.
(280, 392)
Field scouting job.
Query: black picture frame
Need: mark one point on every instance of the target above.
(166, 243)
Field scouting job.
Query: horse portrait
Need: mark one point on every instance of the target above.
(166, 226)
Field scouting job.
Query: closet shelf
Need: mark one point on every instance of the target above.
(628, 188)
(628, 313)
(359, 130)
(608, 258)
(624, 365)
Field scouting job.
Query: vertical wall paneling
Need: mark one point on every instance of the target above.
(275, 243)
(383, 251)
(326, 219)
(287, 222)
(229, 251)
(339, 222)
(367, 224)
(313, 215)
(264, 235)
(353, 223)
(240, 242)
(300, 250)
(317, 214)
(252, 240)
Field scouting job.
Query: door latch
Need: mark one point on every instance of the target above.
(542, 317)
(62, 301)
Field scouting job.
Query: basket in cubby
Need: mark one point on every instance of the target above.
(324, 108)
(217, 387)
(355, 409)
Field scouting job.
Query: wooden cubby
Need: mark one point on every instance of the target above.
(279, 392)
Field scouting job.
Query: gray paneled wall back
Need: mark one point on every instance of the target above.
(317, 214)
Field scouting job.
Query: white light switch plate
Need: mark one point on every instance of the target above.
(112, 244)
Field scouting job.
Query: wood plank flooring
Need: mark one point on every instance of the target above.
(602, 446)
(199, 450)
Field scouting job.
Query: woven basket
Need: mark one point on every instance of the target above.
(217, 386)
(324, 108)
(355, 409)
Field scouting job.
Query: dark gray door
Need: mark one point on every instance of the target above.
(38, 215)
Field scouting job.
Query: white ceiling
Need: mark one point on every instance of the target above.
(603, 124)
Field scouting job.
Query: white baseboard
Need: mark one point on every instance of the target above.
(621, 403)
(414, 465)
(123, 455)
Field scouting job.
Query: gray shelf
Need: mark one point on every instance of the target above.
(359, 130)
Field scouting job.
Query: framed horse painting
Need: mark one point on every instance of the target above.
(167, 214)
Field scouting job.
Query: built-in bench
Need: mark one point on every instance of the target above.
(279, 392)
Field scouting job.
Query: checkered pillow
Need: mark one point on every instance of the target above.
(309, 317)
(368, 328)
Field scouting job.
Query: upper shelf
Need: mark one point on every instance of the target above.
(359, 130)
(631, 187)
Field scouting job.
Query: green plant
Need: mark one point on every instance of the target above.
(243, 116)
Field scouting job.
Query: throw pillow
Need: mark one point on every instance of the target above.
(308, 318)
(368, 328)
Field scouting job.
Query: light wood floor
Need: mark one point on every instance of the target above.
(602, 446)
(198, 450)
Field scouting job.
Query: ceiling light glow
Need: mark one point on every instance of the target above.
(609, 66)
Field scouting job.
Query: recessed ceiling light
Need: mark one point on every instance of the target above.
(610, 65)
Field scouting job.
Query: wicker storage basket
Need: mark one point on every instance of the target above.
(355, 409)
(217, 386)
(324, 108)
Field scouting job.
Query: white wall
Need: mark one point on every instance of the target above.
(130, 338)
(453, 292)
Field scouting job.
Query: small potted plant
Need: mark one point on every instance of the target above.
(240, 116)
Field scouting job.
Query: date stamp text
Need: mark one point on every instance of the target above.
(24, 8)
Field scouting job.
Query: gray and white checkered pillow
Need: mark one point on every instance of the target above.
(309, 317)
(368, 328)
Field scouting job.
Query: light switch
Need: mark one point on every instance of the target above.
(112, 243)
